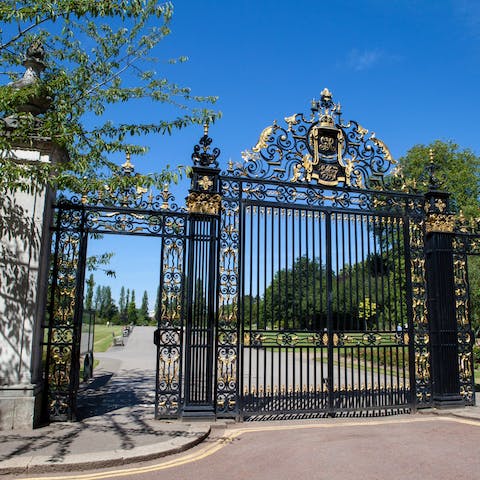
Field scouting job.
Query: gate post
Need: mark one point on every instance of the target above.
(441, 297)
(203, 205)
(25, 218)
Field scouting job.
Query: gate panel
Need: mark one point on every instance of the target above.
(64, 316)
(466, 249)
(169, 336)
(200, 305)
(370, 322)
(325, 325)
(227, 349)
(284, 309)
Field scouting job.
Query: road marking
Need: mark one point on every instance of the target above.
(236, 432)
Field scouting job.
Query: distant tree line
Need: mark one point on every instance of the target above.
(99, 299)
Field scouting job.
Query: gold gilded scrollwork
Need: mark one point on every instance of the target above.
(169, 367)
(205, 203)
(264, 136)
(440, 222)
(422, 365)
(381, 144)
(227, 368)
(465, 364)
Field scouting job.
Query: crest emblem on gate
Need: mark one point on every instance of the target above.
(321, 150)
(323, 162)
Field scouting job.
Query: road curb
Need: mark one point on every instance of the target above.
(106, 459)
(448, 413)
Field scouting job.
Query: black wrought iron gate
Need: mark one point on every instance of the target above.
(325, 323)
(293, 282)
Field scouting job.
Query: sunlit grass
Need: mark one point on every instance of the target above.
(104, 335)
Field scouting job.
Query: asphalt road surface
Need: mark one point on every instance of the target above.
(403, 447)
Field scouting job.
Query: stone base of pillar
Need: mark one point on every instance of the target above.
(20, 406)
(448, 401)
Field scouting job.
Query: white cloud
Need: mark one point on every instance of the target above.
(359, 60)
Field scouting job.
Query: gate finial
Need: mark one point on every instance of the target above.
(433, 182)
(127, 167)
(201, 155)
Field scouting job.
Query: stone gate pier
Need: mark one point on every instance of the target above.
(25, 219)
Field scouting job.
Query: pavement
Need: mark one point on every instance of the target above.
(117, 424)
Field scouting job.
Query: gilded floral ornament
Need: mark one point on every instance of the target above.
(204, 203)
(440, 222)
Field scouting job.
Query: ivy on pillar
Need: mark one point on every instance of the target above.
(440, 224)
(203, 205)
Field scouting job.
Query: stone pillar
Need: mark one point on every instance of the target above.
(25, 220)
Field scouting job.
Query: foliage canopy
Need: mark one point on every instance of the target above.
(457, 169)
(98, 54)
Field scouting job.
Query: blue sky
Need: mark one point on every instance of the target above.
(407, 69)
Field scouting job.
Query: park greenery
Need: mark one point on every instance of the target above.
(100, 57)
(98, 299)
(368, 295)
(458, 172)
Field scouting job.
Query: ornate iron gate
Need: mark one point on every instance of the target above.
(324, 308)
(292, 283)
(317, 258)
(128, 211)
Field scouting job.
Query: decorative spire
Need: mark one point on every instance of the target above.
(127, 167)
(36, 101)
(433, 182)
(326, 108)
(201, 155)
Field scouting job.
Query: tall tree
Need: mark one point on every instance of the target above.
(94, 54)
(89, 295)
(458, 170)
(132, 313)
(98, 298)
(284, 307)
(108, 309)
(122, 304)
(143, 314)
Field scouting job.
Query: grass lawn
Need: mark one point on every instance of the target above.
(103, 336)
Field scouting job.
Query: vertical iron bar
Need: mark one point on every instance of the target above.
(328, 231)
(412, 395)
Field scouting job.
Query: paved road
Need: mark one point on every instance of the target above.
(404, 447)
(125, 377)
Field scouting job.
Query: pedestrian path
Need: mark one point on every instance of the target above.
(117, 425)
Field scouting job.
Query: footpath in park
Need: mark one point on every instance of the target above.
(117, 424)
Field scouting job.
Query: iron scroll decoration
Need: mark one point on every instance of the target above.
(321, 150)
